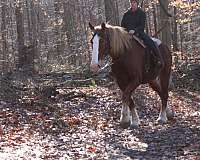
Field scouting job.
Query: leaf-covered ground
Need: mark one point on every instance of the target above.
(83, 123)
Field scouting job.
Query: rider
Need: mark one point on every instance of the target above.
(134, 22)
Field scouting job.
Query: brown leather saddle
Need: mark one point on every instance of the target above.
(149, 57)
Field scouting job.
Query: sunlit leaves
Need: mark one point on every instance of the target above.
(186, 10)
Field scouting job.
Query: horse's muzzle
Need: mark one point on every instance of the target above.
(94, 67)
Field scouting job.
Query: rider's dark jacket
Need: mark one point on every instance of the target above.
(134, 20)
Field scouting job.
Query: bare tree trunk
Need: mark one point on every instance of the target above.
(111, 12)
(20, 33)
(3, 32)
(28, 21)
(164, 21)
(69, 25)
(181, 37)
(26, 53)
(85, 24)
(155, 21)
(58, 26)
(33, 35)
(175, 30)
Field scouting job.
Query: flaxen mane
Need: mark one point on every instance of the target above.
(119, 39)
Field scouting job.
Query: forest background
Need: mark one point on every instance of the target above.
(57, 35)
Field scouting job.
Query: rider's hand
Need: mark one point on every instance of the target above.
(132, 31)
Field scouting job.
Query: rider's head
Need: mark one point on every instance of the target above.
(134, 5)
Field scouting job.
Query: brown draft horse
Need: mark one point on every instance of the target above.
(128, 67)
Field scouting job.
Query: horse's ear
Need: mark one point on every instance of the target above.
(91, 26)
(103, 26)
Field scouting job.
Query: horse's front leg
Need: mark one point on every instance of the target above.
(129, 119)
(164, 110)
(125, 116)
(128, 106)
(135, 121)
(162, 89)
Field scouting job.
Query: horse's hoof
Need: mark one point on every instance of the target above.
(171, 115)
(124, 125)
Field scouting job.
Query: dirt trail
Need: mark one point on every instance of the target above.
(87, 127)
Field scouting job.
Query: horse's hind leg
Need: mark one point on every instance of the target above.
(160, 85)
(164, 83)
(156, 86)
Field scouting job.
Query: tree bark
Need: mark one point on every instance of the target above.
(155, 20)
(69, 25)
(33, 36)
(3, 32)
(20, 32)
(164, 21)
(58, 27)
(175, 30)
(111, 12)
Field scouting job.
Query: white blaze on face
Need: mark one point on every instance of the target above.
(95, 50)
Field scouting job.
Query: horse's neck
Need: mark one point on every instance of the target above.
(132, 50)
(116, 57)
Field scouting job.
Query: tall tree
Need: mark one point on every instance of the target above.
(164, 22)
(3, 32)
(20, 31)
(155, 20)
(69, 24)
(111, 12)
(34, 34)
(175, 31)
(58, 4)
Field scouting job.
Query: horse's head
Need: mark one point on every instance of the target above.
(100, 45)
